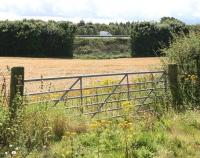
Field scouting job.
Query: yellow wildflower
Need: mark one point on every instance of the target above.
(125, 125)
(99, 124)
(68, 133)
(193, 77)
(93, 125)
(126, 105)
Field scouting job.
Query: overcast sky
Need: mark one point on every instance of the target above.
(101, 10)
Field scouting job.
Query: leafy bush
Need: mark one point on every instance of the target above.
(185, 52)
(36, 38)
(148, 38)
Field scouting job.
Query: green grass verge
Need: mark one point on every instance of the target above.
(43, 131)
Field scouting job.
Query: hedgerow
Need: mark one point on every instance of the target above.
(148, 38)
(36, 38)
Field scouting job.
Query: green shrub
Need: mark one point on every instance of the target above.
(101, 48)
(36, 38)
(144, 146)
(148, 38)
(185, 52)
(10, 120)
(4, 126)
(35, 131)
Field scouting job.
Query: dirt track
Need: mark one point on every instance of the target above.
(35, 67)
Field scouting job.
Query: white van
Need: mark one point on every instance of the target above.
(104, 33)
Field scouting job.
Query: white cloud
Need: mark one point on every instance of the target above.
(100, 10)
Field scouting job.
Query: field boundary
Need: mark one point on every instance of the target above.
(138, 87)
(143, 88)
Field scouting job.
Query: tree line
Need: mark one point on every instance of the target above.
(90, 28)
(56, 39)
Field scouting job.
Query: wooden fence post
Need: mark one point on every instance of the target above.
(198, 78)
(174, 86)
(16, 86)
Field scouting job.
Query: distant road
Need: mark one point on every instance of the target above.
(97, 36)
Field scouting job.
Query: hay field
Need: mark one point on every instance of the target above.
(35, 67)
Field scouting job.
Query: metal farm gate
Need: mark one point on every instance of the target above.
(98, 93)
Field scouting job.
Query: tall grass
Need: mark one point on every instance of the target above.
(55, 133)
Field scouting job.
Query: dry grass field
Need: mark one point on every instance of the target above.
(35, 67)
